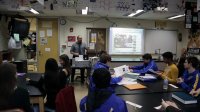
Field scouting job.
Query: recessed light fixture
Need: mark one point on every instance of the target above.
(34, 11)
(85, 11)
(177, 16)
(135, 13)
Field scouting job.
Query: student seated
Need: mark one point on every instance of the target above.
(103, 98)
(181, 61)
(65, 69)
(11, 96)
(102, 63)
(190, 81)
(53, 82)
(171, 71)
(148, 64)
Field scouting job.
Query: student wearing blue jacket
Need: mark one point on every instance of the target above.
(103, 98)
(190, 80)
(102, 63)
(148, 64)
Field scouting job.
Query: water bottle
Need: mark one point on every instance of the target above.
(165, 84)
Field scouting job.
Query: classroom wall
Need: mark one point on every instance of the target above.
(79, 25)
(4, 38)
(4, 35)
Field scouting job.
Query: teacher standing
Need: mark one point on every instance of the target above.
(77, 49)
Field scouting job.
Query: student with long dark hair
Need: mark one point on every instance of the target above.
(11, 96)
(53, 82)
(103, 98)
(65, 70)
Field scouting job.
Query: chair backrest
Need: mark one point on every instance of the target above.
(65, 100)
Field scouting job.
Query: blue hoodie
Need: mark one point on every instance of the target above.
(191, 80)
(113, 103)
(145, 68)
(114, 80)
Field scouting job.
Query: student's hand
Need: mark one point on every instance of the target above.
(172, 104)
(164, 104)
(77, 54)
(131, 70)
(65, 71)
(28, 79)
(195, 93)
(113, 75)
(179, 80)
(159, 73)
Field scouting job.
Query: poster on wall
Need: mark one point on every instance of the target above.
(71, 40)
(92, 46)
(49, 32)
(93, 37)
(63, 48)
(43, 41)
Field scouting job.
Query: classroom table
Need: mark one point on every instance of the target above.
(149, 101)
(36, 97)
(152, 87)
(151, 96)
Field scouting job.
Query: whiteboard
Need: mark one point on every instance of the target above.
(164, 40)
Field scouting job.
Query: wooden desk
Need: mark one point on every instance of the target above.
(38, 100)
(35, 94)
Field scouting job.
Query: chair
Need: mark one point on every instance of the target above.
(65, 100)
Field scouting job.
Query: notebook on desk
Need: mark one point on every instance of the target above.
(184, 98)
(147, 77)
(135, 86)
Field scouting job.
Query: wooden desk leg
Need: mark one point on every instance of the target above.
(38, 100)
(41, 104)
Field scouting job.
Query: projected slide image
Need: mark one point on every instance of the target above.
(126, 41)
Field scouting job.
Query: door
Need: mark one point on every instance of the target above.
(98, 37)
(47, 41)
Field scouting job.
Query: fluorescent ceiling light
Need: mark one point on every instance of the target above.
(85, 11)
(34, 11)
(135, 13)
(177, 16)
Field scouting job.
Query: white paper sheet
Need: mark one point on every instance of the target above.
(16, 37)
(49, 32)
(127, 81)
(133, 104)
(173, 86)
(136, 74)
(147, 77)
(158, 107)
(42, 33)
(47, 49)
(121, 70)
